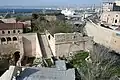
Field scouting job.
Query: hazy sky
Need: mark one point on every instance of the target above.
(47, 2)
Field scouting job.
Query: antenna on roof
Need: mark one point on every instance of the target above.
(6, 15)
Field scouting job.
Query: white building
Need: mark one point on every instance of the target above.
(68, 12)
(107, 6)
(111, 13)
(110, 18)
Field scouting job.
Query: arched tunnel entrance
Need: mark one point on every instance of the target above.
(16, 57)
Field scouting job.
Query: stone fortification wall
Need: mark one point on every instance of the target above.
(104, 36)
(68, 43)
(65, 44)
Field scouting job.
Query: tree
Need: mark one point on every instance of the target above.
(23, 18)
(105, 63)
(40, 24)
(78, 60)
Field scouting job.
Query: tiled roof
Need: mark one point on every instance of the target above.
(10, 26)
(10, 20)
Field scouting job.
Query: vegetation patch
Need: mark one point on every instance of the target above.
(78, 60)
(40, 24)
(104, 65)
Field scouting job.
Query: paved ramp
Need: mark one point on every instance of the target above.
(45, 47)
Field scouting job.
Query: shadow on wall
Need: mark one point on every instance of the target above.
(4, 65)
(27, 47)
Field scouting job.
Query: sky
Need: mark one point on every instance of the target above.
(46, 2)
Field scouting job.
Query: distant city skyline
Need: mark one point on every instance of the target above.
(47, 2)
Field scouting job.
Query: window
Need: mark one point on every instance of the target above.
(14, 39)
(8, 32)
(18, 31)
(3, 32)
(70, 54)
(8, 39)
(74, 37)
(116, 21)
(49, 37)
(3, 39)
(14, 31)
(116, 15)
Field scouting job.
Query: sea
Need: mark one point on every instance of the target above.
(20, 10)
(26, 10)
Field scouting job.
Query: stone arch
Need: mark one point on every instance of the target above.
(8, 38)
(16, 56)
(14, 38)
(3, 39)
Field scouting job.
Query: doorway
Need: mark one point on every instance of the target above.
(16, 57)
